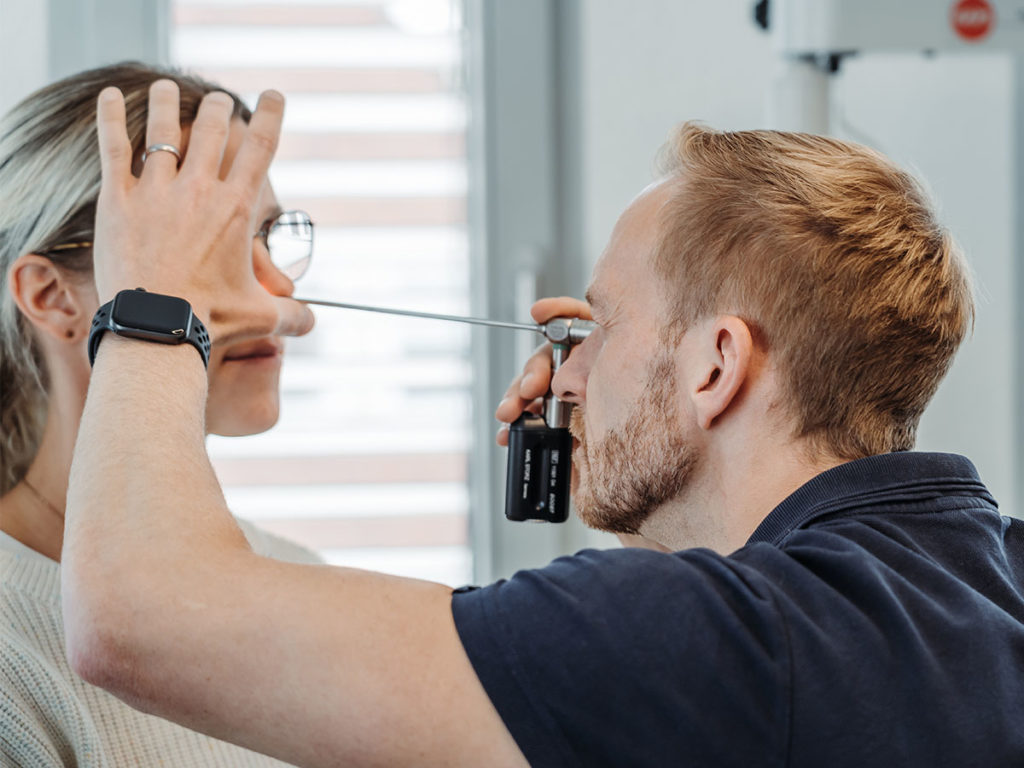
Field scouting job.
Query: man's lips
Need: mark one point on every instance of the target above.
(254, 350)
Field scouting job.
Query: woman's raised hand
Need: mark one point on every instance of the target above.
(185, 229)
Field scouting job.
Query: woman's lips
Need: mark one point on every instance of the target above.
(259, 350)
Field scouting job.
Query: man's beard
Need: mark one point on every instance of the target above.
(634, 469)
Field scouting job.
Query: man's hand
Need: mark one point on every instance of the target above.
(525, 391)
(185, 231)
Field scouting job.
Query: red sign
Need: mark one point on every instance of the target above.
(973, 19)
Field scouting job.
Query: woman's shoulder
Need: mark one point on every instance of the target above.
(51, 717)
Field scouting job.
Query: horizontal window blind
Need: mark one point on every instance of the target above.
(368, 464)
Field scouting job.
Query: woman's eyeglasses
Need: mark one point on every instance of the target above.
(288, 237)
(289, 240)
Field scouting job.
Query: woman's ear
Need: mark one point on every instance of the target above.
(726, 350)
(54, 301)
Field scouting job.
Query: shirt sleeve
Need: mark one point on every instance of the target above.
(633, 657)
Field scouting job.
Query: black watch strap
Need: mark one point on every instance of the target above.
(155, 317)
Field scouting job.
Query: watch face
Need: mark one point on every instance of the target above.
(152, 312)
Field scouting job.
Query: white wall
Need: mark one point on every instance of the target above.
(43, 40)
(24, 53)
(649, 64)
(950, 120)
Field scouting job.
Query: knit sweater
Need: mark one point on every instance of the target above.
(50, 717)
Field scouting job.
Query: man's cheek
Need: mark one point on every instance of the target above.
(602, 404)
(578, 458)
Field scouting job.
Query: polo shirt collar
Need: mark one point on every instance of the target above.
(876, 480)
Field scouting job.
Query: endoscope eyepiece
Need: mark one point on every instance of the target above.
(567, 330)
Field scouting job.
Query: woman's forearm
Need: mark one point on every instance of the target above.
(144, 503)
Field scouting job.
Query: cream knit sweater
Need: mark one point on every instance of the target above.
(49, 717)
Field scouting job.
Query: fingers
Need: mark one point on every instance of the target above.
(524, 392)
(163, 127)
(272, 279)
(189, 234)
(511, 409)
(115, 148)
(527, 389)
(536, 374)
(209, 135)
(511, 405)
(561, 306)
(502, 438)
(257, 150)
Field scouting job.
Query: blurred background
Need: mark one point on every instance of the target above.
(468, 156)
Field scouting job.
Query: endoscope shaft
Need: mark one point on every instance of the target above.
(428, 315)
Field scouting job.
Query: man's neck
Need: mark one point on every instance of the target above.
(731, 495)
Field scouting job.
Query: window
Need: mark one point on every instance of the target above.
(368, 464)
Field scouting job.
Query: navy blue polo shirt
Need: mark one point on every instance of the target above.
(874, 618)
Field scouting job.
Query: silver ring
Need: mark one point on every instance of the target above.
(161, 148)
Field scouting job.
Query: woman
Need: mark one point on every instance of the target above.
(49, 180)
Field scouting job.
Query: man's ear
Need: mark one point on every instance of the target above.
(53, 301)
(725, 353)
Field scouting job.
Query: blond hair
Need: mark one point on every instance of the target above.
(835, 258)
(49, 181)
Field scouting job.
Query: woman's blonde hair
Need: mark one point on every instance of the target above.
(836, 259)
(49, 182)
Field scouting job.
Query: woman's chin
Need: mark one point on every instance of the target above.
(245, 397)
(238, 419)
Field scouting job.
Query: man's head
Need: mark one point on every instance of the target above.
(798, 278)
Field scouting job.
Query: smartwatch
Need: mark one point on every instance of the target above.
(140, 314)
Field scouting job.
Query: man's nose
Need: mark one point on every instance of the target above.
(570, 380)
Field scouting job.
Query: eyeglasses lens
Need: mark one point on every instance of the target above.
(290, 242)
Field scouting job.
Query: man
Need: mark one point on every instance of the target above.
(773, 316)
